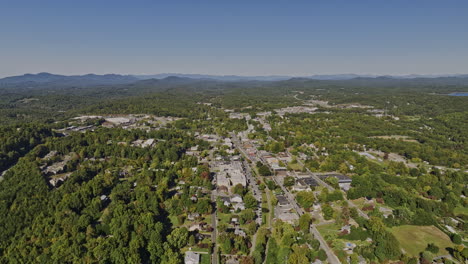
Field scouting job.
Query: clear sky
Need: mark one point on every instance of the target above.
(234, 37)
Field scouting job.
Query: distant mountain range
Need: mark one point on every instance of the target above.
(72, 80)
(287, 77)
(54, 80)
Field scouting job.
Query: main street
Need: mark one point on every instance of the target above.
(332, 258)
(252, 181)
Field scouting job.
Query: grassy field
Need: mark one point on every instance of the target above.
(414, 239)
(207, 219)
(329, 230)
(359, 202)
(295, 166)
(224, 218)
(460, 210)
(397, 137)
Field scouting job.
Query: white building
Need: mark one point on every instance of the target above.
(236, 199)
(191, 257)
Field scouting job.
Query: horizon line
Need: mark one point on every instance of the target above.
(248, 76)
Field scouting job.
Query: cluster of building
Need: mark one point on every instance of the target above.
(296, 110)
(276, 162)
(261, 118)
(145, 122)
(229, 174)
(284, 210)
(54, 170)
(240, 116)
(235, 202)
(305, 182)
(144, 143)
(275, 165)
(76, 129)
(343, 181)
(208, 137)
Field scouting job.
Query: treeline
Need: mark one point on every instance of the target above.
(16, 141)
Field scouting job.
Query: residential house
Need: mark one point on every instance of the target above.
(236, 198)
(193, 216)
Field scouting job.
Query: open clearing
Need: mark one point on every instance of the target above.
(459, 210)
(397, 137)
(329, 230)
(414, 239)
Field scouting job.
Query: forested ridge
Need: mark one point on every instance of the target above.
(72, 223)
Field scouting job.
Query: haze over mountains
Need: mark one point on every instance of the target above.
(78, 80)
(286, 77)
(49, 79)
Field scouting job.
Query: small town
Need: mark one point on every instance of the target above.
(234, 132)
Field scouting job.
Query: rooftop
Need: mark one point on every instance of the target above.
(308, 181)
(341, 177)
(282, 200)
(191, 257)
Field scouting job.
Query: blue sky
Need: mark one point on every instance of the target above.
(234, 37)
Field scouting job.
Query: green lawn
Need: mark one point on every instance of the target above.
(414, 239)
(194, 249)
(329, 230)
(205, 258)
(295, 166)
(207, 219)
(224, 218)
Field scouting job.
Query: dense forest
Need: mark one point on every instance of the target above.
(108, 210)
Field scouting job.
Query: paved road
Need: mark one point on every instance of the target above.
(290, 197)
(252, 182)
(360, 212)
(214, 235)
(332, 258)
